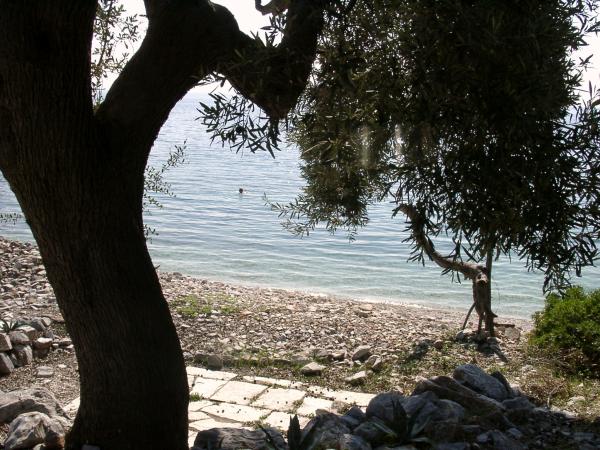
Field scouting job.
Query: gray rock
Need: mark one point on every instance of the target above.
(13, 404)
(23, 354)
(352, 442)
(42, 343)
(44, 372)
(339, 355)
(323, 355)
(375, 363)
(327, 429)
(452, 446)
(31, 332)
(449, 410)
(235, 438)
(438, 345)
(312, 368)
(415, 402)
(38, 324)
(6, 365)
(373, 431)
(518, 403)
(214, 362)
(388, 408)
(5, 344)
(502, 379)
(357, 378)
(30, 429)
(512, 333)
(502, 442)
(361, 353)
(18, 337)
(448, 388)
(514, 433)
(475, 378)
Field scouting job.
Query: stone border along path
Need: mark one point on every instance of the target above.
(230, 401)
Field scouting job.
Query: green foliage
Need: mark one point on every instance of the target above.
(114, 34)
(9, 325)
(570, 325)
(468, 111)
(195, 397)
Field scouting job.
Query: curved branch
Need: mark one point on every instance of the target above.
(274, 7)
(417, 227)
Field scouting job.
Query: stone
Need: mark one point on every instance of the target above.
(38, 324)
(5, 344)
(323, 355)
(13, 404)
(206, 387)
(42, 343)
(329, 428)
(235, 439)
(281, 420)
(31, 332)
(361, 353)
(375, 363)
(311, 404)
(312, 369)
(350, 397)
(357, 378)
(30, 429)
(351, 442)
(373, 432)
(238, 392)
(448, 388)
(44, 372)
(23, 354)
(438, 345)
(512, 333)
(18, 337)
(6, 365)
(277, 399)
(339, 355)
(198, 405)
(214, 362)
(238, 413)
(388, 408)
(213, 422)
(476, 379)
(211, 374)
(413, 404)
(449, 410)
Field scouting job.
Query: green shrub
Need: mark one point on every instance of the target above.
(570, 326)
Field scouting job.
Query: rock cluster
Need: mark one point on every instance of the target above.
(36, 420)
(470, 410)
(21, 340)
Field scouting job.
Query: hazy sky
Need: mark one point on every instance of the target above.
(251, 20)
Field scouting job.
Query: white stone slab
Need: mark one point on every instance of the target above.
(207, 424)
(310, 405)
(212, 374)
(353, 398)
(274, 382)
(239, 413)
(194, 416)
(197, 406)
(281, 420)
(238, 392)
(280, 399)
(72, 407)
(191, 380)
(206, 388)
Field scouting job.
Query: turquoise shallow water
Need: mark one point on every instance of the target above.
(210, 230)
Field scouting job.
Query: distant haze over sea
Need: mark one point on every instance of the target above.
(211, 231)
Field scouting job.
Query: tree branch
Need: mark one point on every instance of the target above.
(274, 77)
(417, 226)
(274, 7)
(186, 41)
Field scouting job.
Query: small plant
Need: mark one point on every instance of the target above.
(189, 306)
(570, 326)
(195, 397)
(230, 309)
(9, 325)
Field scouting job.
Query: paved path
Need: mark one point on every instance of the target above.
(227, 400)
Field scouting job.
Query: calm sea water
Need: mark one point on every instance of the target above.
(209, 230)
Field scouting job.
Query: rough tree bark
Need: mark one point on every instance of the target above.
(78, 176)
(478, 274)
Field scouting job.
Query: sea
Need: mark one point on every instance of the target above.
(209, 230)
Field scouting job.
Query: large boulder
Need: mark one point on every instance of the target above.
(235, 438)
(326, 430)
(32, 428)
(6, 365)
(388, 408)
(13, 404)
(475, 378)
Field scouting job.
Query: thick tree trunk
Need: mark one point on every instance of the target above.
(80, 190)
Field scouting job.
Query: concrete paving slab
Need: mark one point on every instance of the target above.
(311, 404)
(206, 387)
(239, 413)
(212, 374)
(280, 399)
(194, 416)
(207, 424)
(274, 382)
(281, 420)
(191, 380)
(198, 405)
(238, 392)
(353, 398)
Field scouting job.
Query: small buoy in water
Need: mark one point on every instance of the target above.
(241, 190)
